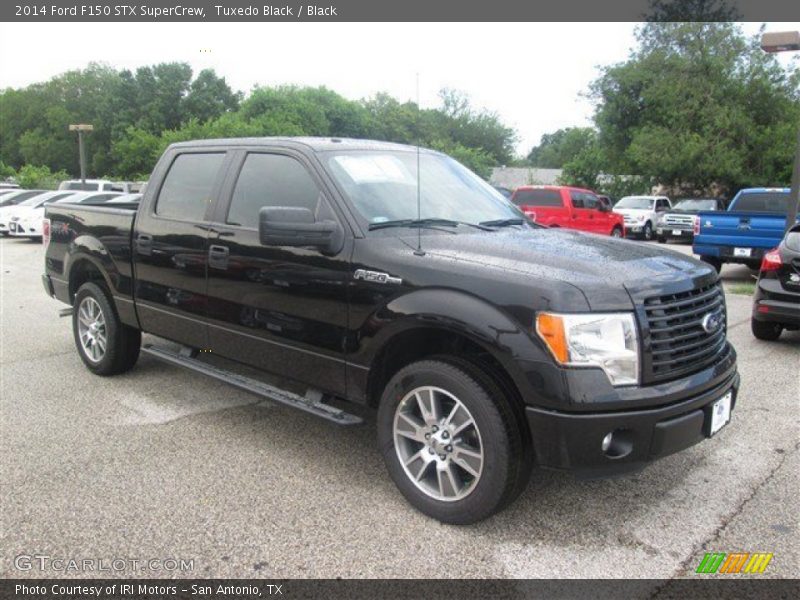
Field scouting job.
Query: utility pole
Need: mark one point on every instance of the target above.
(81, 128)
(787, 41)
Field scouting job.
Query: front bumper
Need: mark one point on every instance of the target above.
(573, 441)
(666, 232)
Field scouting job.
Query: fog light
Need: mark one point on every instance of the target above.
(607, 442)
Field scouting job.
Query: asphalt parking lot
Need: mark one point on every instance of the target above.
(161, 463)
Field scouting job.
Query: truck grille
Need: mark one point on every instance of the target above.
(679, 343)
(679, 221)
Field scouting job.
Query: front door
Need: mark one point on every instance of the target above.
(280, 309)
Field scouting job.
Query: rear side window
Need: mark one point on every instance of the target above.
(271, 180)
(537, 198)
(188, 187)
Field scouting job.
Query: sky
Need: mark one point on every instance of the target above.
(532, 74)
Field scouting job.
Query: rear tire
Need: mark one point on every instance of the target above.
(106, 345)
(764, 330)
(713, 261)
(473, 415)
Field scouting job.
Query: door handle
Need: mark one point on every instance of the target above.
(144, 238)
(218, 252)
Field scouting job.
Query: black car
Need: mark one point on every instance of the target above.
(678, 222)
(776, 304)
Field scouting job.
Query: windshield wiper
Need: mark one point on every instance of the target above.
(425, 223)
(503, 222)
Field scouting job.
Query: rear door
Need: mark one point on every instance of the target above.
(170, 242)
(281, 309)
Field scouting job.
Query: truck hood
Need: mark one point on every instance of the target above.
(595, 264)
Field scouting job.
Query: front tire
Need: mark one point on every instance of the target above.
(648, 231)
(451, 441)
(616, 232)
(764, 330)
(106, 345)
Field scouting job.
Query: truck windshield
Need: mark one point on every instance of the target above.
(634, 202)
(768, 202)
(382, 185)
(694, 204)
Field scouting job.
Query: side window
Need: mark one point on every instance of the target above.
(590, 201)
(271, 180)
(188, 186)
(577, 199)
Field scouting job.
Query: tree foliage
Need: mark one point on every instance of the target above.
(696, 106)
(560, 147)
(138, 114)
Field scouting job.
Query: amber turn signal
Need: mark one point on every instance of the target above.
(551, 329)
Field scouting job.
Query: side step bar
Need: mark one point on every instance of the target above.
(311, 403)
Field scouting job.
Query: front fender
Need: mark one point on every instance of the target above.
(508, 341)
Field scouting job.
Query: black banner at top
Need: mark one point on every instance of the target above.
(396, 10)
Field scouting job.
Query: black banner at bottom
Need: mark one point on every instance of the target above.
(373, 589)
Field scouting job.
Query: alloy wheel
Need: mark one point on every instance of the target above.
(438, 443)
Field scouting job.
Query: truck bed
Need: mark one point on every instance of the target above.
(90, 237)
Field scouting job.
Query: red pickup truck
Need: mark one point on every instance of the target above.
(568, 207)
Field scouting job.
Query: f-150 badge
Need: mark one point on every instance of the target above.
(376, 277)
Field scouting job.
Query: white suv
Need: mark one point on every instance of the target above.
(641, 214)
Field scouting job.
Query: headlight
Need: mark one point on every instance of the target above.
(605, 340)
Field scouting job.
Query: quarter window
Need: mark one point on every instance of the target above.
(271, 180)
(189, 185)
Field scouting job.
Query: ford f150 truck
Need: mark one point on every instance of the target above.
(485, 343)
(753, 225)
(570, 207)
(678, 222)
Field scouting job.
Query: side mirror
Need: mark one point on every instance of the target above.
(603, 207)
(290, 226)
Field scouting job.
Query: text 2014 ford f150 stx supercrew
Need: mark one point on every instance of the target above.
(486, 343)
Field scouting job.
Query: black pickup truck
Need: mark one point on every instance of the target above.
(385, 276)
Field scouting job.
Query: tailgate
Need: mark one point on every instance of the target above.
(740, 229)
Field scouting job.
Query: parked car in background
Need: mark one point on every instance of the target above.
(26, 219)
(130, 200)
(31, 212)
(678, 222)
(91, 185)
(7, 201)
(606, 201)
(503, 190)
(753, 225)
(568, 207)
(5, 185)
(776, 303)
(641, 214)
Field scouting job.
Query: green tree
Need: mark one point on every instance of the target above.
(698, 105)
(560, 147)
(210, 96)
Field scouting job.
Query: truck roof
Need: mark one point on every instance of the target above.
(317, 144)
(761, 190)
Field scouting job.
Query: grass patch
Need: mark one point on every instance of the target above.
(746, 289)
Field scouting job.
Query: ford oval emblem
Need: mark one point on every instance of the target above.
(711, 322)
